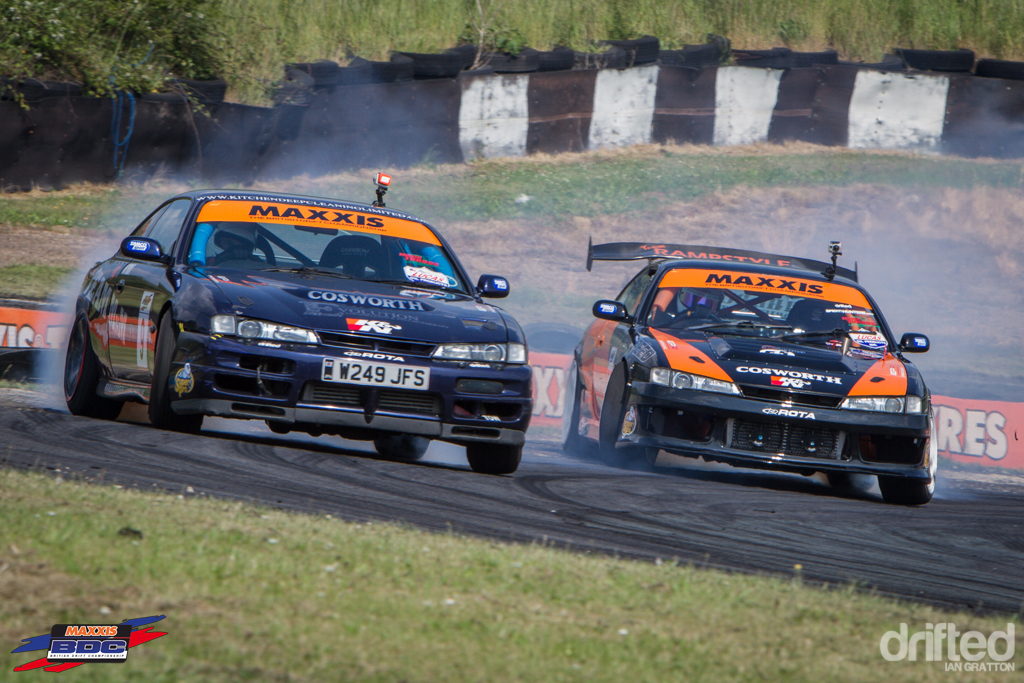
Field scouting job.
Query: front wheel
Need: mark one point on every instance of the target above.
(82, 375)
(160, 413)
(904, 491)
(614, 422)
(572, 441)
(401, 446)
(485, 458)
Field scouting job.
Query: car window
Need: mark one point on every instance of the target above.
(167, 226)
(387, 249)
(767, 306)
(144, 225)
(632, 292)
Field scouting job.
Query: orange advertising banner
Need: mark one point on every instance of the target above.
(29, 328)
(983, 432)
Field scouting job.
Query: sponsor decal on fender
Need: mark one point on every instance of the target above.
(629, 423)
(183, 381)
(378, 326)
(792, 374)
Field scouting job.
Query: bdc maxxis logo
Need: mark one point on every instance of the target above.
(71, 645)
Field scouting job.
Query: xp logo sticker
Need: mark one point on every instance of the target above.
(183, 381)
(378, 326)
(70, 645)
(629, 423)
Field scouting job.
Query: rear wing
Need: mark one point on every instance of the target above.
(636, 251)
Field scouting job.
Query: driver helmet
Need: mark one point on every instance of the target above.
(236, 237)
(701, 302)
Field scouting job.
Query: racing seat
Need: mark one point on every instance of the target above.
(354, 254)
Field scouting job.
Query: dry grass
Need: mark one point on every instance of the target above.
(331, 600)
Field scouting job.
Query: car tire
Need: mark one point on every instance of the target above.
(430, 65)
(406, 447)
(997, 68)
(905, 491)
(487, 458)
(643, 50)
(160, 413)
(572, 442)
(960, 61)
(613, 409)
(840, 481)
(82, 376)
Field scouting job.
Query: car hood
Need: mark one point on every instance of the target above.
(776, 365)
(339, 305)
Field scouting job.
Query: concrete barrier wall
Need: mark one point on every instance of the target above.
(63, 140)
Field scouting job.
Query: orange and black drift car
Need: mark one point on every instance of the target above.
(755, 360)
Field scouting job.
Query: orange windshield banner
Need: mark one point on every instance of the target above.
(756, 282)
(314, 216)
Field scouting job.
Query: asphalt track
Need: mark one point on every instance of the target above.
(965, 549)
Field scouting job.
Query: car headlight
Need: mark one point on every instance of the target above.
(487, 353)
(261, 329)
(684, 380)
(876, 404)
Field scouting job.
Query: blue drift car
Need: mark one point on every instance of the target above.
(315, 315)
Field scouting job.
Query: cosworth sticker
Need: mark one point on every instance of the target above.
(791, 374)
(378, 326)
(363, 300)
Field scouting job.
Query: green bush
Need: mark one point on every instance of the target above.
(109, 45)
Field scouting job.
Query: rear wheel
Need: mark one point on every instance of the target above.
(160, 413)
(82, 375)
(486, 458)
(401, 446)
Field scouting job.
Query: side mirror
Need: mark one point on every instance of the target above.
(141, 248)
(914, 343)
(492, 286)
(610, 310)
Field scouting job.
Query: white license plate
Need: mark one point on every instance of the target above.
(375, 374)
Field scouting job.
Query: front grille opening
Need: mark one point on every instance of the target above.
(388, 400)
(274, 366)
(796, 398)
(237, 384)
(678, 424)
(257, 410)
(476, 432)
(785, 439)
(357, 341)
(482, 410)
(891, 450)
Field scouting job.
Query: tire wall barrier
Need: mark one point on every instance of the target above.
(67, 139)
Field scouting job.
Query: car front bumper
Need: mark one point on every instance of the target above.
(281, 383)
(753, 433)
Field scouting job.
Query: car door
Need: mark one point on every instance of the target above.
(611, 340)
(142, 288)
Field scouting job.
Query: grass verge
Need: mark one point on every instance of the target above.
(258, 594)
(33, 281)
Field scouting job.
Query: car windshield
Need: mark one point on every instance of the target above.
(275, 237)
(767, 306)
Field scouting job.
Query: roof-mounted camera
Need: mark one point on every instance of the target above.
(835, 249)
(383, 182)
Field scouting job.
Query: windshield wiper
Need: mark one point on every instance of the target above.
(741, 324)
(421, 285)
(838, 332)
(309, 270)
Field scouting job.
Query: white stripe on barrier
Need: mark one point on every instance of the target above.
(623, 107)
(494, 117)
(745, 98)
(897, 111)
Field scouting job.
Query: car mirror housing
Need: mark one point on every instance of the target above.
(141, 248)
(610, 310)
(914, 343)
(492, 286)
